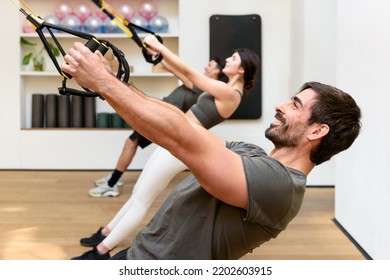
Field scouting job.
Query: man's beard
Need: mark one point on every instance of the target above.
(281, 136)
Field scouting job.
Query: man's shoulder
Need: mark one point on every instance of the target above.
(244, 148)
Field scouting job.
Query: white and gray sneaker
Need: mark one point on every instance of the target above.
(104, 190)
(104, 180)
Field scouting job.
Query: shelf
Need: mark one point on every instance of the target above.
(38, 73)
(98, 35)
(75, 129)
(53, 74)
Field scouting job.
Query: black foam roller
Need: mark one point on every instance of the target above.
(63, 111)
(38, 109)
(89, 112)
(103, 120)
(76, 116)
(116, 121)
(51, 110)
(126, 125)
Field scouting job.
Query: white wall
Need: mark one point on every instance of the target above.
(362, 175)
(347, 43)
(10, 87)
(313, 57)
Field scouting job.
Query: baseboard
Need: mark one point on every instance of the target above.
(364, 253)
(320, 186)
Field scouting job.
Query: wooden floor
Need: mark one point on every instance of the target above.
(43, 214)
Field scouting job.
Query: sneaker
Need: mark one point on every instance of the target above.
(104, 180)
(93, 255)
(94, 239)
(104, 190)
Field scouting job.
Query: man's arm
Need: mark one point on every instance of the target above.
(219, 170)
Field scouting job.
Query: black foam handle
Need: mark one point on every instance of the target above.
(93, 44)
(153, 59)
(103, 48)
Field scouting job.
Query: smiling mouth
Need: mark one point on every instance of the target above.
(279, 120)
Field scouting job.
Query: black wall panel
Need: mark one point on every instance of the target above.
(229, 32)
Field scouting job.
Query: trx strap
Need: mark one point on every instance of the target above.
(93, 44)
(128, 28)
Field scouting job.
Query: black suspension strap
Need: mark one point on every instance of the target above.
(129, 28)
(123, 72)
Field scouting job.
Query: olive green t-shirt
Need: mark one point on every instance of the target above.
(192, 224)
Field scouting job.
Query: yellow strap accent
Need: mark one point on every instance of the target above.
(26, 6)
(96, 40)
(112, 11)
(65, 75)
(119, 20)
(123, 27)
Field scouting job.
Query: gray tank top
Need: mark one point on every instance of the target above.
(206, 111)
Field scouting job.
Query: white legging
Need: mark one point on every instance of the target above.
(159, 170)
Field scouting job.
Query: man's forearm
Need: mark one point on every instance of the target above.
(158, 121)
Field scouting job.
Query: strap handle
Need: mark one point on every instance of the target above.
(128, 28)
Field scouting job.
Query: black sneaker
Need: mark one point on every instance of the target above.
(94, 239)
(93, 255)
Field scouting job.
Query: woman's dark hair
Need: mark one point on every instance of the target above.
(220, 65)
(250, 62)
(340, 112)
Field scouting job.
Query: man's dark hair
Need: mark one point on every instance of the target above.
(220, 65)
(340, 112)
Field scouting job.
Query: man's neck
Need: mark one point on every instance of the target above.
(293, 158)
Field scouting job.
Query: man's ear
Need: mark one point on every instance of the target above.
(319, 131)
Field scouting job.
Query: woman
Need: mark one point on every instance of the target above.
(218, 102)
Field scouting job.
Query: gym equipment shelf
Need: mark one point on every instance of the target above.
(154, 83)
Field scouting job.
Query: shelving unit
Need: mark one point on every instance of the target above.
(155, 84)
